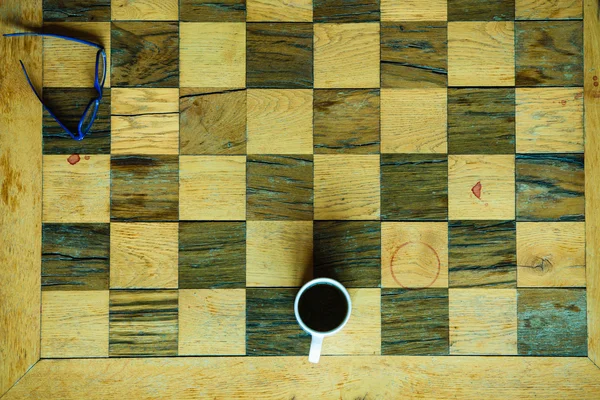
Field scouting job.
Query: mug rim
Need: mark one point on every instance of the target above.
(318, 281)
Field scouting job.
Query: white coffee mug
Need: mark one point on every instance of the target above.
(317, 336)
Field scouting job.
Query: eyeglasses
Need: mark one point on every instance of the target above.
(91, 111)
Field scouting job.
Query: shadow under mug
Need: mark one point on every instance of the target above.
(317, 335)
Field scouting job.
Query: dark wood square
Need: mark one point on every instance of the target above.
(414, 322)
(68, 105)
(552, 322)
(550, 187)
(279, 55)
(212, 121)
(549, 53)
(212, 255)
(75, 256)
(346, 121)
(76, 10)
(481, 121)
(144, 188)
(212, 10)
(414, 187)
(279, 187)
(271, 326)
(348, 251)
(414, 54)
(346, 10)
(145, 54)
(481, 10)
(482, 254)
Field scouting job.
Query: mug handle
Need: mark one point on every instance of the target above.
(315, 348)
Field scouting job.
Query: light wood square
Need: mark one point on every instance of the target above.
(74, 324)
(492, 177)
(346, 55)
(549, 120)
(279, 253)
(143, 255)
(70, 64)
(145, 121)
(346, 187)
(362, 333)
(151, 10)
(414, 120)
(280, 121)
(414, 10)
(78, 192)
(483, 321)
(481, 53)
(212, 54)
(212, 188)
(212, 322)
(414, 255)
(551, 254)
(545, 9)
(277, 10)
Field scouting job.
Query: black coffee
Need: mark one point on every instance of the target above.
(322, 307)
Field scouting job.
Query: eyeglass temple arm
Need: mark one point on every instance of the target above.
(53, 35)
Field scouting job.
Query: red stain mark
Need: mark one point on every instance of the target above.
(87, 157)
(437, 274)
(578, 96)
(595, 78)
(73, 159)
(477, 190)
(563, 102)
(596, 83)
(486, 204)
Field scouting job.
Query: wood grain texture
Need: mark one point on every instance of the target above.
(413, 120)
(279, 253)
(552, 322)
(541, 9)
(212, 11)
(414, 10)
(414, 187)
(76, 193)
(347, 187)
(346, 10)
(280, 121)
(76, 10)
(145, 121)
(70, 64)
(346, 121)
(414, 255)
(483, 321)
(550, 187)
(212, 255)
(414, 54)
(405, 330)
(482, 254)
(481, 121)
(481, 10)
(279, 187)
(347, 55)
(279, 55)
(68, 105)
(146, 54)
(271, 327)
(212, 322)
(74, 324)
(481, 53)
(549, 53)
(143, 255)
(155, 10)
(551, 254)
(75, 256)
(495, 177)
(212, 121)
(549, 120)
(275, 10)
(143, 323)
(144, 188)
(213, 55)
(212, 188)
(349, 252)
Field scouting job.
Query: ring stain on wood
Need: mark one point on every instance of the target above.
(481, 10)
(76, 10)
(212, 10)
(345, 11)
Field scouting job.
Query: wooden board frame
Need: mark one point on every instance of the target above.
(24, 375)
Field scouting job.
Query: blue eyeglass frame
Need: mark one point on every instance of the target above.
(82, 130)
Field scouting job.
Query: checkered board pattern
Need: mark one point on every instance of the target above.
(426, 154)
